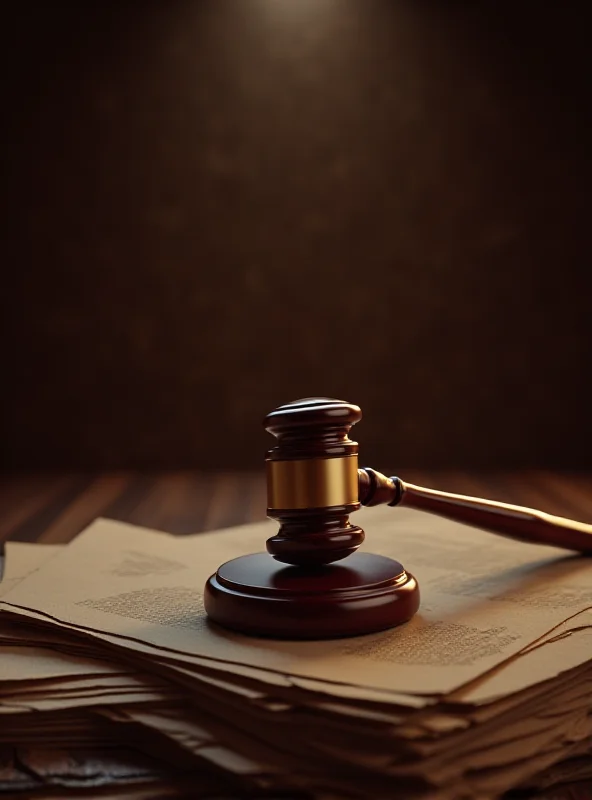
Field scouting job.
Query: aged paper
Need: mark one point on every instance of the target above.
(19, 664)
(483, 599)
(24, 663)
(532, 667)
(23, 558)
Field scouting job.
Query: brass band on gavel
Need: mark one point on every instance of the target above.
(312, 482)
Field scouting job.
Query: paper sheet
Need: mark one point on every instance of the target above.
(479, 737)
(533, 667)
(483, 599)
(23, 558)
(34, 663)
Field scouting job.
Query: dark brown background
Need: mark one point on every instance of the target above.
(216, 207)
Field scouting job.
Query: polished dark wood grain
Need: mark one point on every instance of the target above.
(259, 596)
(54, 508)
(313, 428)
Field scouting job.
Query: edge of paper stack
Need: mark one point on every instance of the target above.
(113, 683)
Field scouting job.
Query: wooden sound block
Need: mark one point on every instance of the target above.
(259, 596)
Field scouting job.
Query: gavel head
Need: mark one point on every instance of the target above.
(312, 481)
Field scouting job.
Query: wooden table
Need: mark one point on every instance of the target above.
(54, 508)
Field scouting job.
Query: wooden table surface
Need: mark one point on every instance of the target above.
(54, 508)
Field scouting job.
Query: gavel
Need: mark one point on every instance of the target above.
(313, 484)
(312, 583)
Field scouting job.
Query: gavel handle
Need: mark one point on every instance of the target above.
(515, 522)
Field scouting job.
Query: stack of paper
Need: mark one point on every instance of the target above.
(111, 675)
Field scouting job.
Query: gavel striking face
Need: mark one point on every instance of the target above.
(315, 584)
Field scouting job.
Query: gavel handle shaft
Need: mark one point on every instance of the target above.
(514, 522)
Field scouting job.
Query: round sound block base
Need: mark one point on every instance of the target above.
(259, 596)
